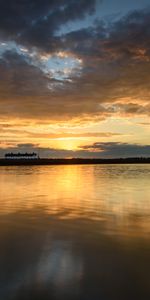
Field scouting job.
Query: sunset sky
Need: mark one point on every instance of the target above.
(75, 77)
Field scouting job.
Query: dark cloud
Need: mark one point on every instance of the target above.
(130, 36)
(117, 149)
(127, 38)
(19, 78)
(34, 22)
(116, 59)
(26, 91)
(115, 73)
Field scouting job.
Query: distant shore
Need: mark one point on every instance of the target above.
(73, 161)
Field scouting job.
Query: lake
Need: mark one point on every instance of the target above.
(75, 232)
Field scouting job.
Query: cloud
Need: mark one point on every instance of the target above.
(144, 124)
(27, 92)
(114, 75)
(96, 150)
(117, 149)
(70, 135)
(19, 78)
(116, 60)
(10, 131)
(34, 22)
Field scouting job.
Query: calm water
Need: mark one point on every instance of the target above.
(75, 232)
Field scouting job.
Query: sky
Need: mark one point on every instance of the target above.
(74, 77)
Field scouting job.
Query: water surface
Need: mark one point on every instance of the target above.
(75, 232)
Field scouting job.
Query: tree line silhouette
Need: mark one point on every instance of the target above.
(21, 155)
(22, 159)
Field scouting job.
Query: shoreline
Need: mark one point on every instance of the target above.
(73, 161)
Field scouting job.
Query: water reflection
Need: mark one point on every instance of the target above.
(74, 232)
(118, 196)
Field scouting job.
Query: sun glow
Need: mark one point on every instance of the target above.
(69, 144)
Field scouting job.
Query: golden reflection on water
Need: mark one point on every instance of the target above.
(75, 232)
(118, 196)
